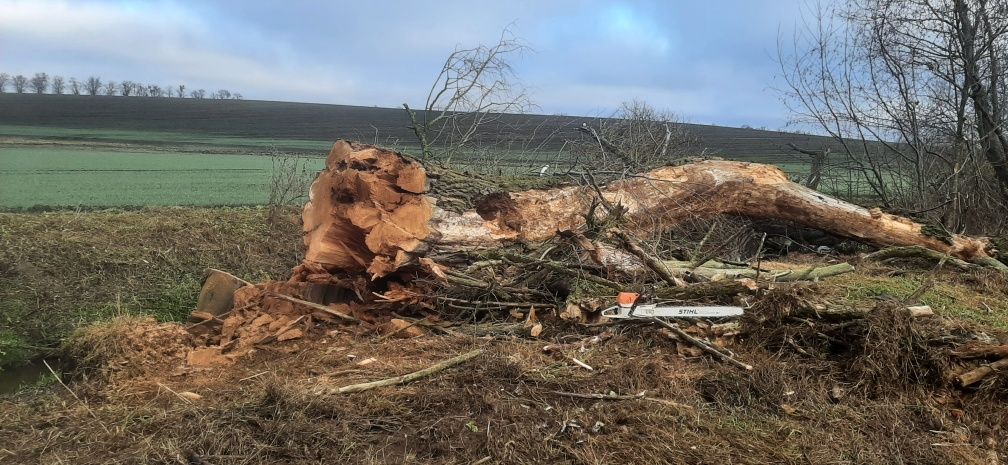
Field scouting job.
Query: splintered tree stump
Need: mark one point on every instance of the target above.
(375, 212)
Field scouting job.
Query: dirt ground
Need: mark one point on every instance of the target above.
(874, 391)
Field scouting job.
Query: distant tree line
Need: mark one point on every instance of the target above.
(42, 83)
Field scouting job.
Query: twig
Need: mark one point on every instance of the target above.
(74, 394)
(323, 308)
(426, 324)
(253, 376)
(582, 364)
(617, 397)
(656, 265)
(759, 256)
(403, 379)
(702, 345)
(562, 268)
(598, 396)
(180, 396)
(494, 303)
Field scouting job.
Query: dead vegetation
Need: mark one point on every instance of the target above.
(842, 391)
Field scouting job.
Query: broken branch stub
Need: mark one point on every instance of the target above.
(375, 211)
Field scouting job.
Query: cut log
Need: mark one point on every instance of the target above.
(975, 375)
(375, 211)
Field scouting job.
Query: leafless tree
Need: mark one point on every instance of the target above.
(39, 83)
(127, 88)
(180, 91)
(154, 90)
(911, 92)
(237, 96)
(20, 82)
(75, 86)
(58, 86)
(474, 88)
(290, 179)
(198, 94)
(111, 88)
(4, 79)
(637, 138)
(93, 85)
(221, 94)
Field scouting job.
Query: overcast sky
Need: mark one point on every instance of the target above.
(708, 61)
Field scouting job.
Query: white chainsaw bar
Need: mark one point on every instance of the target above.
(654, 310)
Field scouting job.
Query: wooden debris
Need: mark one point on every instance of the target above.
(407, 377)
(977, 374)
(982, 351)
(217, 293)
(918, 252)
(709, 349)
(618, 397)
(313, 305)
(373, 211)
(402, 328)
(653, 263)
(582, 364)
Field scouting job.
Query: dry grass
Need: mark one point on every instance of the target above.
(503, 406)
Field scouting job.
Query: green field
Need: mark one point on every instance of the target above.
(83, 177)
(60, 152)
(159, 138)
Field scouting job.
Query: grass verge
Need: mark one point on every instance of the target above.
(60, 270)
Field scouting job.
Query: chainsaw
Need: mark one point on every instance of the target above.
(629, 307)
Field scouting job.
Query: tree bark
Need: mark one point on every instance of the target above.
(377, 212)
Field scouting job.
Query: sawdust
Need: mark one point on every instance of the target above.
(128, 346)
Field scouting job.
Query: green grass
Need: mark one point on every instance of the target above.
(951, 299)
(58, 177)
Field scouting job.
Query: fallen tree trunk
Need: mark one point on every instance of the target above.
(377, 212)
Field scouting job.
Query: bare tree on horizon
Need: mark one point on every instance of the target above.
(20, 82)
(40, 83)
(110, 88)
(58, 86)
(4, 78)
(75, 86)
(93, 85)
(126, 88)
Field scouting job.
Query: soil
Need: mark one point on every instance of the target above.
(875, 390)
